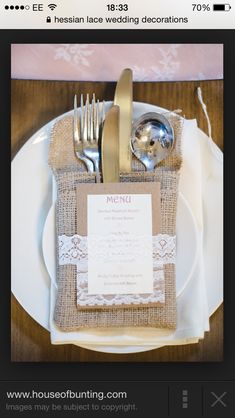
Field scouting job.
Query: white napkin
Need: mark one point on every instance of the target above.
(192, 306)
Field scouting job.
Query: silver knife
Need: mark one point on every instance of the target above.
(110, 146)
(123, 98)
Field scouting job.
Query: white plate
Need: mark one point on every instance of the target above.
(187, 244)
(31, 202)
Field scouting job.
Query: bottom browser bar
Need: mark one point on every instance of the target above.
(122, 399)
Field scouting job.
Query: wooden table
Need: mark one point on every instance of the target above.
(35, 103)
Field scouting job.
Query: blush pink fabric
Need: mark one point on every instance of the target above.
(104, 62)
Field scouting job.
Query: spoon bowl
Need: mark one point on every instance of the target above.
(152, 139)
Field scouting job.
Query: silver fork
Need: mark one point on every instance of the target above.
(78, 124)
(91, 132)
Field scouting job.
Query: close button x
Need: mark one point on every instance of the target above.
(219, 399)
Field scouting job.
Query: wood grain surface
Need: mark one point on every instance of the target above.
(34, 103)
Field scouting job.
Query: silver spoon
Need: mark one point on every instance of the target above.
(152, 139)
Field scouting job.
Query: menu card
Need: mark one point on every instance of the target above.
(119, 220)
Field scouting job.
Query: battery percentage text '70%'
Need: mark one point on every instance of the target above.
(201, 7)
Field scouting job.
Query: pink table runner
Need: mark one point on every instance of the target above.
(104, 62)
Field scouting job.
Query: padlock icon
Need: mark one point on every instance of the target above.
(48, 19)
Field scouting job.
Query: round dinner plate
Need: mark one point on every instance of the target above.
(31, 207)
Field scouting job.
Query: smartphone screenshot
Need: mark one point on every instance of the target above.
(116, 288)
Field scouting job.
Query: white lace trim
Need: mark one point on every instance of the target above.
(74, 250)
(164, 249)
(85, 300)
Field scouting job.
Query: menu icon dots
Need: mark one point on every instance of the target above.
(184, 398)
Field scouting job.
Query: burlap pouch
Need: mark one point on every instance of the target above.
(68, 172)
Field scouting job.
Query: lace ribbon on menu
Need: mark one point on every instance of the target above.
(74, 250)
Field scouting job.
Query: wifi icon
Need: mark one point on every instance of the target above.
(52, 6)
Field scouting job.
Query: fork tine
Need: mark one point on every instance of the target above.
(88, 109)
(103, 112)
(76, 124)
(86, 120)
(82, 115)
(75, 102)
(92, 120)
(97, 120)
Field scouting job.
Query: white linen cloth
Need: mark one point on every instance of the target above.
(192, 305)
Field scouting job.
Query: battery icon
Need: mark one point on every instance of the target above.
(221, 7)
